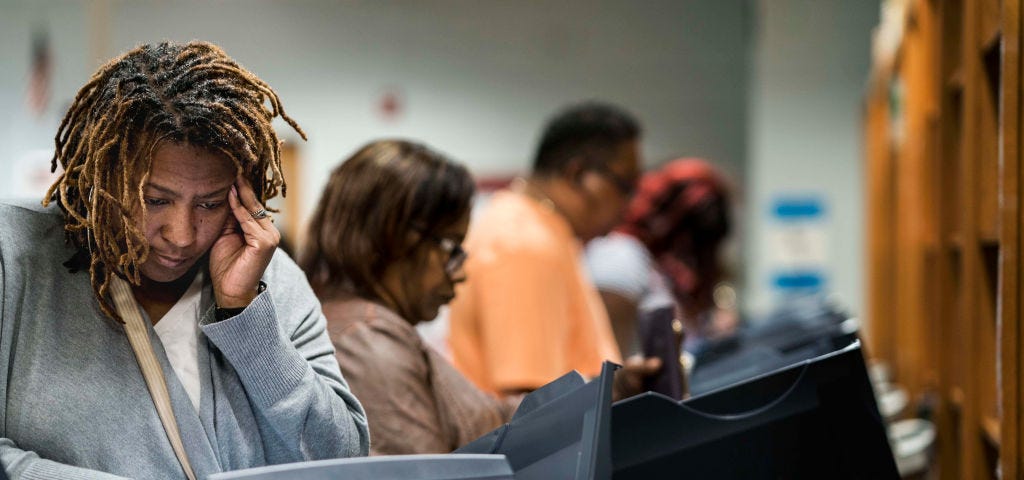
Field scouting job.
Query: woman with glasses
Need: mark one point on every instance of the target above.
(383, 254)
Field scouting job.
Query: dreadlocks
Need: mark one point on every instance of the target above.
(181, 93)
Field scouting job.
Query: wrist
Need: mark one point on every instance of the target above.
(226, 313)
(238, 303)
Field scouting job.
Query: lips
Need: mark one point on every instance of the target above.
(169, 261)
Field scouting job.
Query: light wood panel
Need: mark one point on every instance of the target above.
(950, 321)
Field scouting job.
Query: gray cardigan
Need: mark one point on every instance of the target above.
(73, 402)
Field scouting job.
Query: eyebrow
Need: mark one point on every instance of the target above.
(168, 191)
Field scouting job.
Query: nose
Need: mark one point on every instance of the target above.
(179, 229)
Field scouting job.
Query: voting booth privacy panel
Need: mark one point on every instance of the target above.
(805, 328)
(814, 419)
(561, 430)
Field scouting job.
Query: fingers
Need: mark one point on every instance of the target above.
(633, 362)
(240, 213)
(630, 380)
(238, 263)
(245, 195)
(643, 366)
(243, 203)
(652, 365)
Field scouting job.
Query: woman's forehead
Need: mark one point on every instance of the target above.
(186, 166)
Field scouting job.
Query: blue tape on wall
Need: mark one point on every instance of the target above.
(804, 280)
(798, 208)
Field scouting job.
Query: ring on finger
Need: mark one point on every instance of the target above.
(259, 214)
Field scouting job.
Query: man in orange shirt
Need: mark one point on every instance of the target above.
(528, 313)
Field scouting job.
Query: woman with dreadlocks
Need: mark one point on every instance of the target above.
(148, 326)
(663, 262)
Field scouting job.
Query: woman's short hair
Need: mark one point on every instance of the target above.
(370, 209)
(179, 93)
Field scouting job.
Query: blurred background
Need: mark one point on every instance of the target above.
(874, 146)
(770, 91)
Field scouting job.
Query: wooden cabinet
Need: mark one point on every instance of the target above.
(942, 157)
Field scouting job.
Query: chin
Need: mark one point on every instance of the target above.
(427, 315)
(161, 274)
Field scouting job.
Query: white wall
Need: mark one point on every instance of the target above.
(26, 141)
(478, 78)
(811, 61)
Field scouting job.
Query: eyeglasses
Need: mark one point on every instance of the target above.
(625, 186)
(456, 255)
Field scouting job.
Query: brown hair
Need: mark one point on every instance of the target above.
(180, 93)
(371, 205)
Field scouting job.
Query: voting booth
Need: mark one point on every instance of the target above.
(399, 467)
(561, 430)
(801, 330)
(813, 419)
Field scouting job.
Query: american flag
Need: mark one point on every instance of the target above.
(38, 96)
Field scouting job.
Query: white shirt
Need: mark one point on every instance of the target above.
(620, 263)
(179, 332)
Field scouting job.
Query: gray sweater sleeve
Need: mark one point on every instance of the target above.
(22, 465)
(286, 362)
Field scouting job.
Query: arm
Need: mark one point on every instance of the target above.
(20, 464)
(622, 314)
(522, 319)
(280, 349)
(629, 381)
(468, 412)
(393, 380)
(620, 268)
(278, 344)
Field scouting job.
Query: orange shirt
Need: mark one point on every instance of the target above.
(527, 313)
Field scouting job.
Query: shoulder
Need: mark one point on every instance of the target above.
(619, 263)
(358, 319)
(25, 221)
(617, 250)
(376, 344)
(510, 225)
(30, 230)
(378, 341)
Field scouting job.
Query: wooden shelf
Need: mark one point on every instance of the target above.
(956, 398)
(990, 431)
(955, 241)
(988, 237)
(990, 39)
(946, 265)
(955, 81)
